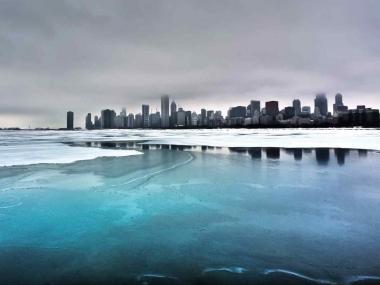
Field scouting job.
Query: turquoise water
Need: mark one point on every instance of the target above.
(194, 215)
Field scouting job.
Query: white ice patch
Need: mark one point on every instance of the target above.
(356, 138)
(27, 154)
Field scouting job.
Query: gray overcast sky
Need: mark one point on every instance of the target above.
(87, 55)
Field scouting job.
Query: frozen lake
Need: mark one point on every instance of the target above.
(190, 207)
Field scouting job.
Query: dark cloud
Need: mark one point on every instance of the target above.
(86, 55)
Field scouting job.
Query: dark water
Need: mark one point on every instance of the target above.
(194, 215)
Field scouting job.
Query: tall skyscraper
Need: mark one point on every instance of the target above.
(173, 114)
(203, 117)
(297, 107)
(255, 107)
(320, 102)
(165, 111)
(338, 105)
(145, 116)
(108, 119)
(271, 108)
(70, 120)
(89, 124)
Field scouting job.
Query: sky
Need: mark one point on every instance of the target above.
(90, 55)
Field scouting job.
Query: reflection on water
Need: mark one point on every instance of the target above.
(321, 155)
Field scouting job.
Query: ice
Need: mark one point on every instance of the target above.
(296, 215)
(357, 138)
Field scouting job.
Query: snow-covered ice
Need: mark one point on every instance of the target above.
(30, 147)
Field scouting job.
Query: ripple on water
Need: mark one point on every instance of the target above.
(9, 201)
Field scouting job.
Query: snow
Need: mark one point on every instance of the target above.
(30, 147)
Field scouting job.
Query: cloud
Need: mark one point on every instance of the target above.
(89, 55)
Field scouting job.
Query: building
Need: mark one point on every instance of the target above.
(306, 110)
(320, 102)
(173, 114)
(155, 120)
(237, 112)
(297, 107)
(97, 123)
(181, 118)
(138, 121)
(70, 120)
(108, 119)
(145, 116)
(130, 121)
(255, 107)
(271, 108)
(165, 111)
(203, 122)
(89, 125)
(194, 119)
(289, 112)
(338, 106)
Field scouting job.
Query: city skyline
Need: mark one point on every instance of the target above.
(252, 115)
(88, 55)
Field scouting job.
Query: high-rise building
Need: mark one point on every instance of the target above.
(89, 124)
(297, 107)
(123, 112)
(338, 105)
(320, 102)
(173, 114)
(145, 116)
(255, 107)
(70, 120)
(165, 111)
(203, 117)
(194, 119)
(237, 112)
(97, 123)
(271, 108)
(181, 118)
(289, 112)
(130, 121)
(188, 118)
(155, 120)
(108, 119)
(138, 121)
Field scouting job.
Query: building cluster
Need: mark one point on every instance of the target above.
(253, 115)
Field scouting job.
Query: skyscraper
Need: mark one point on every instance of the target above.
(97, 123)
(70, 120)
(237, 112)
(108, 119)
(181, 118)
(338, 105)
(297, 107)
(165, 111)
(255, 107)
(89, 124)
(271, 108)
(203, 117)
(145, 116)
(173, 114)
(320, 102)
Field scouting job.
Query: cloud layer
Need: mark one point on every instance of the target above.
(88, 55)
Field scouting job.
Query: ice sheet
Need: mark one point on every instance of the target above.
(26, 154)
(30, 147)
